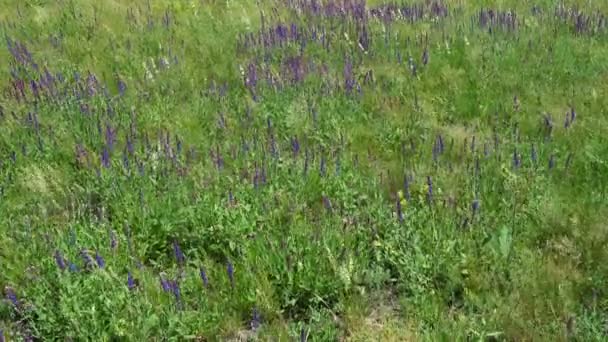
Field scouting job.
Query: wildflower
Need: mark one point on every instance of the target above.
(73, 267)
(255, 320)
(88, 261)
(59, 260)
(399, 211)
(516, 160)
(551, 162)
(322, 167)
(204, 278)
(100, 262)
(105, 158)
(425, 56)
(179, 255)
(572, 114)
(533, 154)
(131, 284)
(475, 206)
(406, 187)
(164, 283)
(230, 271)
(113, 241)
(327, 204)
(176, 290)
(430, 190)
(122, 87)
(11, 296)
(303, 334)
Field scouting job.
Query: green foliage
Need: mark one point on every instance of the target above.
(327, 177)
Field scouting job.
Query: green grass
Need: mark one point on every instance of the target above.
(199, 157)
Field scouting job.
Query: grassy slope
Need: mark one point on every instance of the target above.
(532, 260)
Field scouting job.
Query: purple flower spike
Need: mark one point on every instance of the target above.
(303, 335)
(122, 87)
(130, 281)
(113, 241)
(88, 261)
(100, 262)
(176, 290)
(11, 296)
(230, 271)
(164, 284)
(59, 260)
(425, 56)
(204, 278)
(327, 204)
(430, 191)
(399, 210)
(255, 320)
(516, 159)
(475, 206)
(406, 188)
(179, 255)
(572, 115)
(105, 158)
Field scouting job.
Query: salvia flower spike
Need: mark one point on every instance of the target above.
(100, 261)
(204, 278)
(60, 260)
(11, 296)
(230, 271)
(130, 281)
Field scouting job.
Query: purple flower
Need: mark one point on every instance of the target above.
(164, 283)
(533, 154)
(88, 261)
(327, 204)
(130, 281)
(122, 87)
(11, 296)
(551, 162)
(406, 187)
(572, 114)
(105, 158)
(230, 271)
(399, 211)
(430, 191)
(113, 241)
(516, 159)
(100, 262)
(59, 260)
(255, 319)
(73, 267)
(349, 80)
(179, 255)
(2, 336)
(475, 206)
(295, 146)
(322, 167)
(176, 290)
(425, 56)
(303, 335)
(204, 278)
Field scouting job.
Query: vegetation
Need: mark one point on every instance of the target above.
(312, 170)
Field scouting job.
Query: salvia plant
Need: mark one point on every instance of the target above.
(320, 170)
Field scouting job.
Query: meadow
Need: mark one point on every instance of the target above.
(303, 170)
